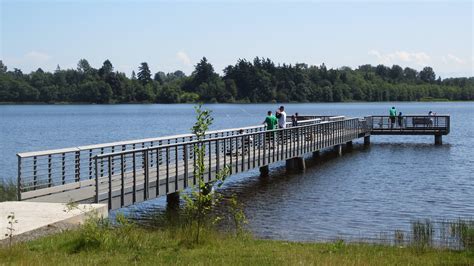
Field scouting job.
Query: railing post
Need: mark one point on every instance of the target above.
(96, 180)
(122, 180)
(90, 164)
(63, 158)
(77, 164)
(185, 154)
(35, 161)
(134, 188)
(176, 158)
(109, 169)
(147, 175)
(19, 178)
(50, 176)
(158, 156)
(218, 157)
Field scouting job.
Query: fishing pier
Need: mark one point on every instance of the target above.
(124, 173)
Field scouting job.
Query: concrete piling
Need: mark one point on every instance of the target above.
(367, 140)
(338, 149)
(172, 201)
(295, 164)
(264, 171)
(349, 144)
(316, 154)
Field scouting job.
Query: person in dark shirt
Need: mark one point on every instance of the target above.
(400, 120)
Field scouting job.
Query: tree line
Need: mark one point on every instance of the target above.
(246, 81)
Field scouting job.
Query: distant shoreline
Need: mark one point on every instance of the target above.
(144, 103)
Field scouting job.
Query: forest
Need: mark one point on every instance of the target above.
(257, 81)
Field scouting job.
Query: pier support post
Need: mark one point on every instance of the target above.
(338, 149)
(172, 201)
(367, 140)
(264, 171)
(438, 139)
(297, 164)
(349, 144)
(316, 154)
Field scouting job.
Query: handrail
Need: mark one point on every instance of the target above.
(127, 142)
(98, 156)
(137, 141)
(138, 178)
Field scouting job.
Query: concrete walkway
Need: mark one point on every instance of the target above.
(40, 218)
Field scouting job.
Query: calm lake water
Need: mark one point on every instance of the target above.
(367, 191)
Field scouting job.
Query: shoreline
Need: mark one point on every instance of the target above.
(211, 103)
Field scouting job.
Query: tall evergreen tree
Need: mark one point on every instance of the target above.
(144, 74)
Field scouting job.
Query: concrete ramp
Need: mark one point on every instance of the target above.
(35, 219)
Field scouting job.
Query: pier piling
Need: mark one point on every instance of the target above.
(338, 149)
(316, 154)
(367, 140)
(172, 200)
(264, 171)
(295, 164)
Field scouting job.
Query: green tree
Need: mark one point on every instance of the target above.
(203, 197)
(144, 74)
(106, 68)
(3, 68)
(427, 75)
(84, 66)
(204, 72)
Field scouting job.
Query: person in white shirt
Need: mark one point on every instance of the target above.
(281, 115)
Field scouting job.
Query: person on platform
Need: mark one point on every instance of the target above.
(294, 121)
(400, 120)
(271, 122)
(281, 115)
(393, 115)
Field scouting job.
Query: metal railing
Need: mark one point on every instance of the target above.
(138, 177)
(69, 166)
(411, 124)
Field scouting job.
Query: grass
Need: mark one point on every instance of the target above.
(105, 244)
(7, 190)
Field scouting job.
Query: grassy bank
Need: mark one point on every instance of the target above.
(8, 190)
(130, 244)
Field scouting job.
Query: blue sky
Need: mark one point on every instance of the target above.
(175, 35)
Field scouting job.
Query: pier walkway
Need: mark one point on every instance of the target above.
(124, 173)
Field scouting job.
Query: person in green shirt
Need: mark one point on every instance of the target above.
(393, 115)
(271, 122)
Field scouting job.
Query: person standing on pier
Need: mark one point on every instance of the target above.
(393, 115)
(294, 121)
(281, 115)
(400, 120)
(271, 123)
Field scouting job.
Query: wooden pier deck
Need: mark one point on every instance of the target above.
(125, 173)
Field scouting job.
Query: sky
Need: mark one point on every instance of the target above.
(175, 35)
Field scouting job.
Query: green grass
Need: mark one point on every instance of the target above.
(7, 190)
(128, 244)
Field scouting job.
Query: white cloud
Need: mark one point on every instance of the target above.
(456, 59)
(36, 56)
(418, 58)
(184, 58)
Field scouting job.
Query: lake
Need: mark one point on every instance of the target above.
(367, 191)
